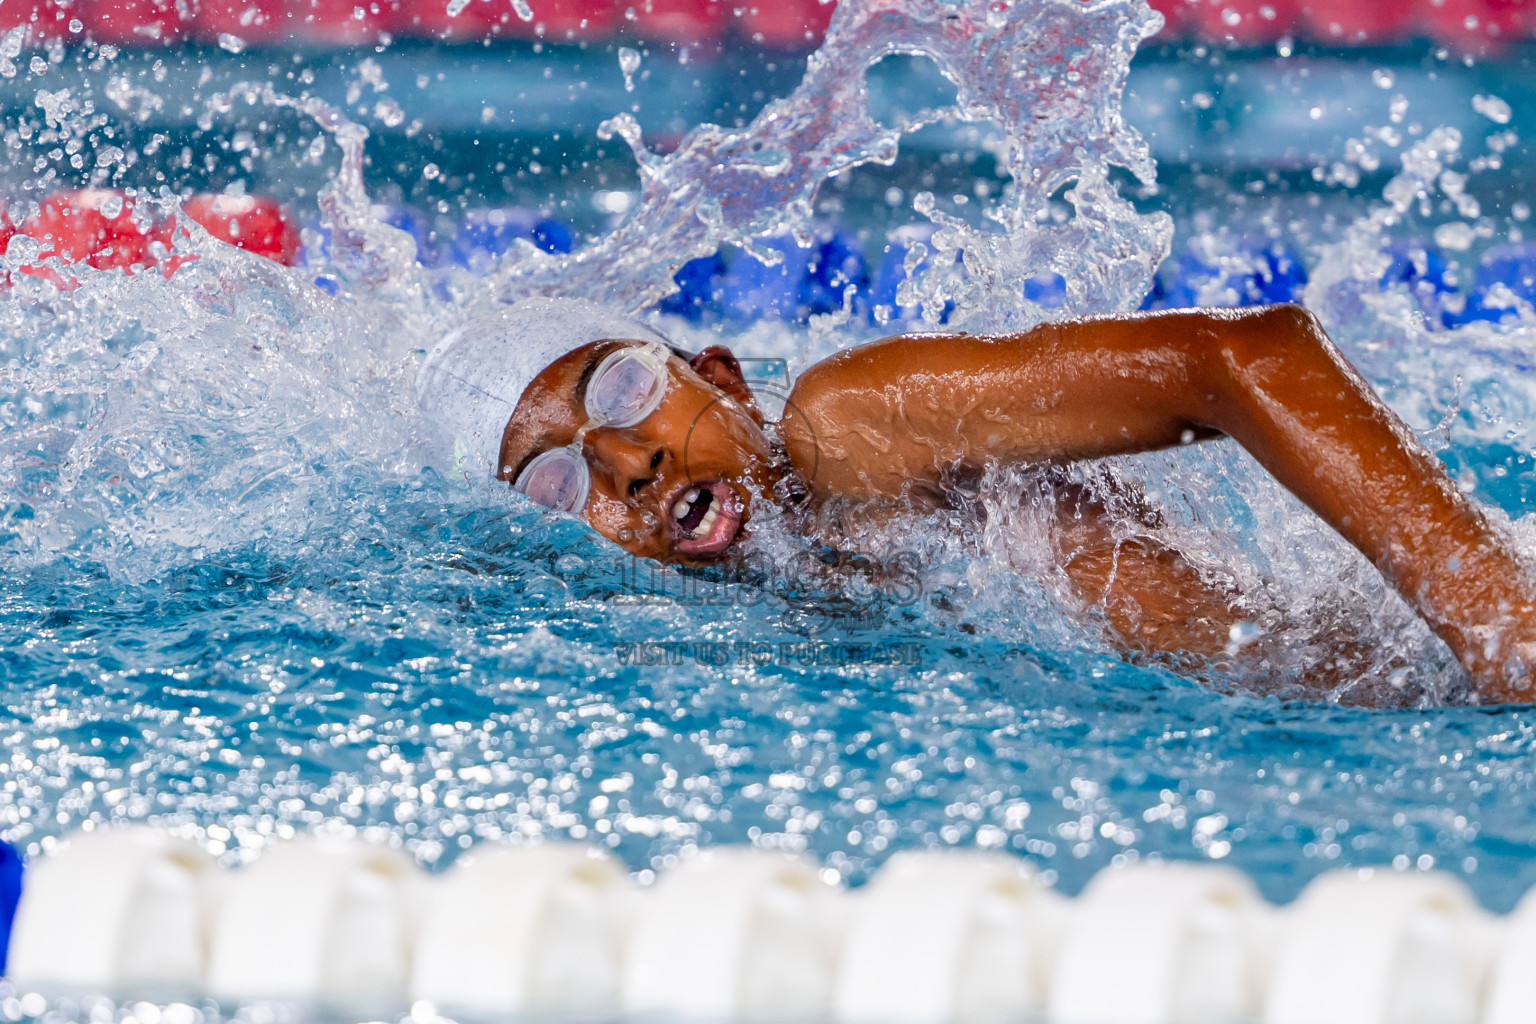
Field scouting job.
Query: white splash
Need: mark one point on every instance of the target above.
(1048, 75)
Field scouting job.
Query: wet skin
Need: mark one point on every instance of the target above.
(900, 418)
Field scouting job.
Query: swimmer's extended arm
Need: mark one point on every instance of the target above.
(876, 419)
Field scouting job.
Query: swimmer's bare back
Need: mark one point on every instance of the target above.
(875, 420)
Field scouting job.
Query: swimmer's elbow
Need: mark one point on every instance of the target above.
(1290, 320)
(1235, 346)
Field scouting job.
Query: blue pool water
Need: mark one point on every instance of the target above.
(446, 680)
(241, 594)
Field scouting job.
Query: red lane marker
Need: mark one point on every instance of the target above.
(681, 22)
(785, 24)
(475, 20)
(131, 22)
(340, 22)
(1356, 22)
(104, 229)
(253, 22)
(1246, 22)
(1177, 16)
(97, 227)
(562, 21)
(47, 19)
(257, 224)
(1478, 26)
(7, 228)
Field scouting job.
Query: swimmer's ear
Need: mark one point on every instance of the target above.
(718, 366)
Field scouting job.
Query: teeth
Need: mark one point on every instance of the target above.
(708, 522)
(681, 508)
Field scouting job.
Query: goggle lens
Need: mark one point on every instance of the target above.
(557, 480)
(626, 388)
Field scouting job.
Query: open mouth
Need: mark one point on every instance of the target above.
(705, 518)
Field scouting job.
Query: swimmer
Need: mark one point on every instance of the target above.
(660, 451)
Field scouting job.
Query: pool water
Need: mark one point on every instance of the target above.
(244, 596)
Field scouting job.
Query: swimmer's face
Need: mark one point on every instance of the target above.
(674, 486)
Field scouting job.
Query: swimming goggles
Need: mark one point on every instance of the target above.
(626, 387)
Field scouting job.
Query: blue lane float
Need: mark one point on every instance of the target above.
(1513, 266)
(1505, 278)
(1421, 268)
(10, 896)
(753, 289)
(317, 251)
(806, 281)
(893, 270)
(838, 276)
(481, 237)
(414, 223)
(834, 272)
(1252, 272)
(699, 289)
(484, 236)
(1427, 275)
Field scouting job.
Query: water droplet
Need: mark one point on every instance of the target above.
(23, 249)
(389, 112)
(1240, 635)
(456, 7)
(1456, 236)
(231, 43)
(38, 66)
(1491, 107)
(10, 46)
(522, 10)
(629, 63)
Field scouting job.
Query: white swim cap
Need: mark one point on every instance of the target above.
(473, 378)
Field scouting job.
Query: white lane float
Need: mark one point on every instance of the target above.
(1163, 942)
(1511, 995)
(734, 934)
(523, 930)
(943, 937)
(552, 932)
(321, 920)
(123, 910)
(1381, 947)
